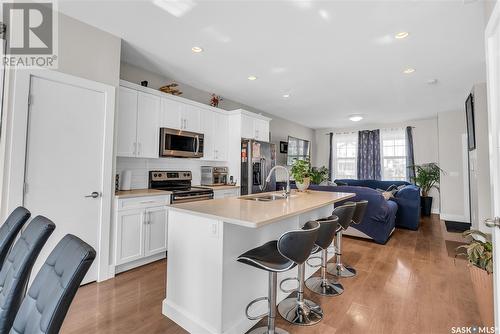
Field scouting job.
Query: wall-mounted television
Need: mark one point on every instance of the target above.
(298, 149)
(469, 112)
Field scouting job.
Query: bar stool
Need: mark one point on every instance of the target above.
(278, 256)
(322, 285)
(345, 213)
(297, 310)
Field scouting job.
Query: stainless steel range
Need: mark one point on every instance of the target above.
(179, 183)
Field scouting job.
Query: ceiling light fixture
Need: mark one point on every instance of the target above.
(401, 35)
(432, 81)
(196, 49)
(286, 96)
(355, 118)
(252, 77)
(409, 70)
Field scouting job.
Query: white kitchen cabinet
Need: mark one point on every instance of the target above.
(138, 118)
(127, 122)
(220, 136)
(156, 231)
(129, 236)
(179, 115)
(140, 230)
(148, 131)
(247, 127)
(254, 128)
(223, 193)
(207, 128)
(261, 128)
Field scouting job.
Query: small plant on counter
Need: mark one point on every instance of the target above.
(301, 172)
(319, 175)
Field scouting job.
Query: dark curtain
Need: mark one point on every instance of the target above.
(410, 157)
(369, 155)
(330, 158)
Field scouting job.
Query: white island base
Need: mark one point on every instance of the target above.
(207, 289)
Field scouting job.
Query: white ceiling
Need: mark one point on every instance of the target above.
(335, 58)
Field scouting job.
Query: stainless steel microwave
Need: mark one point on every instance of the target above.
(181, 144)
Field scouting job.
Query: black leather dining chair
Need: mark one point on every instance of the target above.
(16, 269)
(9, 230)
(48, 299)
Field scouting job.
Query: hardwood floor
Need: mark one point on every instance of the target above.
(410, 285)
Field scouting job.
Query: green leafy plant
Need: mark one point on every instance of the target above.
(427, 177)
(300, 170)
(319, 175)
(479, 251)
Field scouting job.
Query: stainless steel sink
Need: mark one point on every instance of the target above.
(264, 198)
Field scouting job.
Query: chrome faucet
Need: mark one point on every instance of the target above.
(268, 178)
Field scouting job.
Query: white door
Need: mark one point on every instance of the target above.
(247, 127)
(127, 123)
(262, 130)
(171, 114)
(130, 235)
(148, 129)
(221, 124)
(156, 231)
(191, 118)
(493, 73)
(64, 161)
(207, 128)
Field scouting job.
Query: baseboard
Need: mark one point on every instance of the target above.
(435, 211)
(455, 218)
(137, 263)
(182, 318)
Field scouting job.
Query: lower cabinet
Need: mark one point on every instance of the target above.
(222, 193)
(140, 232)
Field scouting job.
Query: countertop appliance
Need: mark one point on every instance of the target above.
(257, 159)
(214, 176)
(179, 183)
(181, 144)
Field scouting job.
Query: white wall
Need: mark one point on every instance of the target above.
(425, 144)
(453, 160)
(280, 128)
(479, 162)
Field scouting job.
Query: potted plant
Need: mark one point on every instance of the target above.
(479, 253)
(301, 170)
(319, 175)
(427, 177)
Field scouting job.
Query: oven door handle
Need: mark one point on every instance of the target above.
(195, 196)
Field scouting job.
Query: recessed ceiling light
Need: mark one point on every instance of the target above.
(286, 96)
(432, 81)
(252, 77)
(401, 35)
(196, 49)
(409, 70)
(355, 118)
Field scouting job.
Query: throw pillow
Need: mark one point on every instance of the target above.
(387, 195)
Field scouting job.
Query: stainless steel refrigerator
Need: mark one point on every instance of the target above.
(257, 159)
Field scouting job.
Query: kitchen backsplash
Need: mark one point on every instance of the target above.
(141, 167)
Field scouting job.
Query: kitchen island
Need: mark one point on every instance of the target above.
(207, 289)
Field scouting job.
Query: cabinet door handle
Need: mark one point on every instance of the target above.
(135, 149)
(140, 148)
(145, 220)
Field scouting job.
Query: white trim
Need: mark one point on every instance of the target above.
(455, 218)
(16, 151)
(435, 211)
(184, 319)
(138, 263)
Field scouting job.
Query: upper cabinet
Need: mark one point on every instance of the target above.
(214, 126)
(179, 115)
(254, 126)
(138, 131)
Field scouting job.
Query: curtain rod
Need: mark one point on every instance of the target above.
(351, 132)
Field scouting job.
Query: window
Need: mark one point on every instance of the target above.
(393, 154)
(298, 149)
(345, 154)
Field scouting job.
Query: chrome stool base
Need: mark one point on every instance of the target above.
(341, 270)
(265, 330)
(307, 313)
(325, 287)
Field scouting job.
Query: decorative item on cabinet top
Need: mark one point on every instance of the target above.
(214, 101)
(170, 89)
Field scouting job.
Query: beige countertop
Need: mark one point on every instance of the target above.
(140, 193)
(223, 187)
(255, 214)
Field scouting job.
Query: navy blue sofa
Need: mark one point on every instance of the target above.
(380, 216)
(407, 199)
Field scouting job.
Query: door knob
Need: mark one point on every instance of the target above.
(492, 222)
(94, 194)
